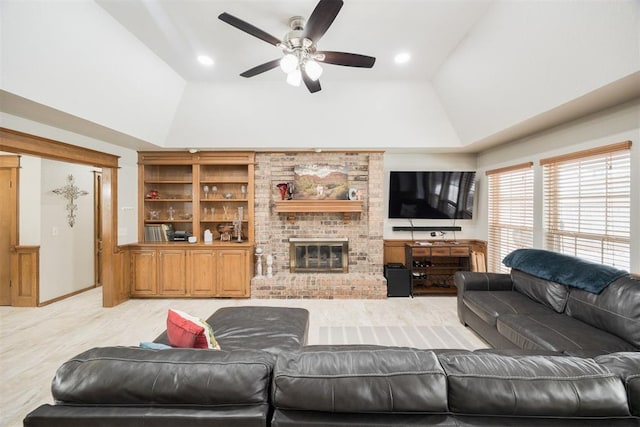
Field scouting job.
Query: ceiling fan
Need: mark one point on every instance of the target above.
(300, 60)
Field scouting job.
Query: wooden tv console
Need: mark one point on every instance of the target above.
(432, 263)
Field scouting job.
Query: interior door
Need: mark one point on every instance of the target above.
(8, 223)
(97, 227)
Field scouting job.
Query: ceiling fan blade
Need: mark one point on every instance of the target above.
(261, 68)
(310, 84)
(347, 59)
(248, 28)
(321, 18)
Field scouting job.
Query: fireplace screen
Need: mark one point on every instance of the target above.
(319, 255)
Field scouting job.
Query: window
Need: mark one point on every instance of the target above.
(510, 212)
(588, 204)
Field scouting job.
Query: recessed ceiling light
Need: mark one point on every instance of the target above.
(402, 58)
(205, 60)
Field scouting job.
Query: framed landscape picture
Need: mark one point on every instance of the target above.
(321, 181)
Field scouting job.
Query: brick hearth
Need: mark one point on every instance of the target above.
(364, 231)
(320, 285)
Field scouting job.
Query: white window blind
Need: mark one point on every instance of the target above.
(588, 204)
(510, 213)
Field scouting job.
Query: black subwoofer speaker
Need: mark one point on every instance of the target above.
(398, 280)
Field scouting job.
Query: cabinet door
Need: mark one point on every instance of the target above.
(233, 276)
(144, 278)
(202, 273)
(172, 272)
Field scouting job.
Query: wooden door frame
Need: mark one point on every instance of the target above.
(97, 228)
(13, 163)
(22, 143)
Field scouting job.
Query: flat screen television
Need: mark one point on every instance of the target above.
(431, 195)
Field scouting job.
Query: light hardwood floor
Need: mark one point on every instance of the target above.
(34, 342)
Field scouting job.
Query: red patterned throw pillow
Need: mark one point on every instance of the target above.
(184, 330)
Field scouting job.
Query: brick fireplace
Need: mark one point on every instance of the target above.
(363, 277)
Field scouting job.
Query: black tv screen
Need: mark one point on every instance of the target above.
(431, 195)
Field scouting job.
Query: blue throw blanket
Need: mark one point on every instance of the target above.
(565, 269)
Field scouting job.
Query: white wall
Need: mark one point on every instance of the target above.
(527, 57)
(30, 209)
(617, 124)
(366, 115)
(66, 253)
(430, 162)
(74, 57)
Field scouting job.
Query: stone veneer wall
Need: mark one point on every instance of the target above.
(365, 231)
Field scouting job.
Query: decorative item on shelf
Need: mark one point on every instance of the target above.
(243, 191)
(170, 213)
(225, 209)
(269, 265)
(228, 195)
(152, 194)
(258, 262)
(205, 213)
(353, 194)
(208, 236)
(205, 189)
(214, 191)
(237, 225)
(154, 215)
(225, 231)
(283, 190)
(320, 181)
(290, 188)
(186, 216)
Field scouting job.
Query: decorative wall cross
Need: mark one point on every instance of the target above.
(71, 192)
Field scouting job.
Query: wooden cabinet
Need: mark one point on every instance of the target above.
(202, 272)
(231, 272)
(219, 272)
(432, 266)
(171, 272)
(190, 193)
(191, 271)
(144, 272)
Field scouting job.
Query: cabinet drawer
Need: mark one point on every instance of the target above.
(460, 251)
(440, 251)
(421, 251)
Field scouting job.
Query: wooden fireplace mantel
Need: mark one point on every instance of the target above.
(346, 207)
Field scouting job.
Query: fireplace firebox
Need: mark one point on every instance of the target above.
(319, 255)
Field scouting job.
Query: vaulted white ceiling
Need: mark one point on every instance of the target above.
(481, 72)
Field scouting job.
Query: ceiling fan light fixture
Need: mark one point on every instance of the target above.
(294, 78)
(313, 69)
(289, 63)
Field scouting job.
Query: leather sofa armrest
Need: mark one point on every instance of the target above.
(477, 281)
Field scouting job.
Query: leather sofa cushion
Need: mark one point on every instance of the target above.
(261, 328)
(489, 305)
(551, 294)
(272, 329)
(557, 332)
(627, 366)
(616, 309)
(135, 376)
(351, 380)
(551, 386)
